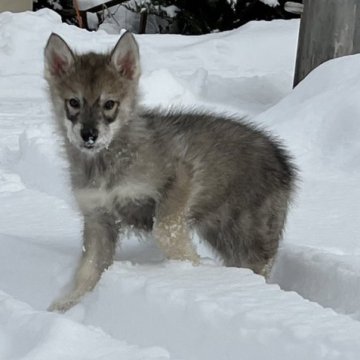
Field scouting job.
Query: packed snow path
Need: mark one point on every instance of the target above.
(147, 308)
(192, 312)
(211, 313)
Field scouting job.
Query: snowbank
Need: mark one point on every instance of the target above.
(34, 335)
(204, 313)
(320, 120)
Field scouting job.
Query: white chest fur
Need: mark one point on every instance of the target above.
(90, 199)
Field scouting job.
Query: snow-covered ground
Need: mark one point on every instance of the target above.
(147, 308)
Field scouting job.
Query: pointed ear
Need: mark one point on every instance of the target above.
(58, 57)
(125, 56)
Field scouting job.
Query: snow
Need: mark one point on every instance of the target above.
(241, 315)
(38, 335)
(87, 4)
(271, 3)
(148, 308)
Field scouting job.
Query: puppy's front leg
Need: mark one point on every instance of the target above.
(171, 228)
(99, 242)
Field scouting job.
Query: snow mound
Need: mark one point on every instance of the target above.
(322, 113)
(181, 307)
(320, 120)
(33, 335)
(329, 279)
(35, 161)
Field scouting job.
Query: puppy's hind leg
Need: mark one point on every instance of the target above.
(99, 242)
(260, 233)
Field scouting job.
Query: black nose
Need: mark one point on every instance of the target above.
(89, 135)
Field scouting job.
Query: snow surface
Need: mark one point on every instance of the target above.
(87, 4)
(148, 308)
(271, 3)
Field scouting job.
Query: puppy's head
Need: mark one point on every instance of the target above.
(93, 94)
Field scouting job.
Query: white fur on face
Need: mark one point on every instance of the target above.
(106, 134)
(73, 132)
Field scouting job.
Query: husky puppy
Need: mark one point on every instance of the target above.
(165, 172)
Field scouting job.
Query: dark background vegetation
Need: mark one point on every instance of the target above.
(194, 17)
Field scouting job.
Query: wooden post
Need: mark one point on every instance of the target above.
(81, 17)
(328, 29)
(143, 20)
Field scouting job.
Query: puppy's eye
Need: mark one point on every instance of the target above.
(74, 103)
(109, 105)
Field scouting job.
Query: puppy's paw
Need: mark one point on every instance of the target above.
(63, 304)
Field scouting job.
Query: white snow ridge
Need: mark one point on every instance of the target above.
(145, 308)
